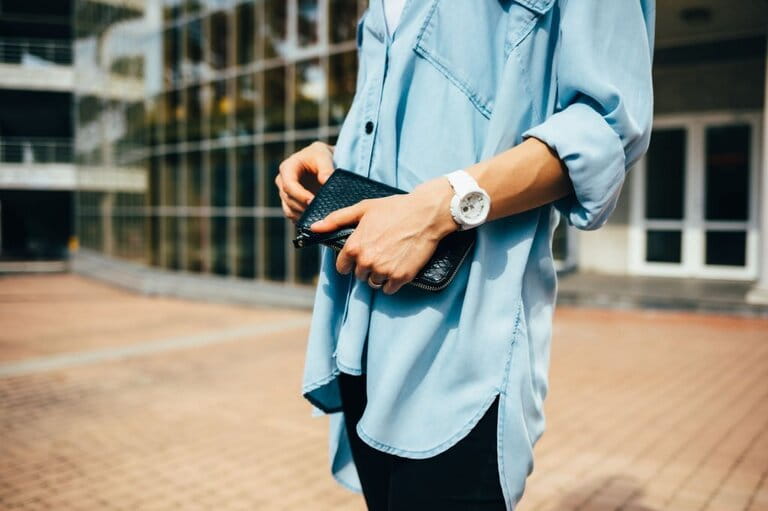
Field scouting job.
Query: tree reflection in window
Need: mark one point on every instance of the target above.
(220, 108)
(245, 33)
(275, 28)
(193, 67)
(342, 22)
(246, 100)
(308, 22)
(218, 37)
(310, 91)
(274, 99)
(341, 84)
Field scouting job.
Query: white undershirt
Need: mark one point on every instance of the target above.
(392, 11)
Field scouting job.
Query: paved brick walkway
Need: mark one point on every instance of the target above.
(114, 401)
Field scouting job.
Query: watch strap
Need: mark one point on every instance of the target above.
(462, 181)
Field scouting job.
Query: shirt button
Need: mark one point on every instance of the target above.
(369, 127)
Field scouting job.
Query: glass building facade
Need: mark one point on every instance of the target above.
(184, 110)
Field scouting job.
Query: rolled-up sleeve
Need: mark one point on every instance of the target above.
(602, 120)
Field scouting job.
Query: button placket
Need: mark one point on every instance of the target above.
(372, 105)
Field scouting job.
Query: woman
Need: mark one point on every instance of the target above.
(435, 398)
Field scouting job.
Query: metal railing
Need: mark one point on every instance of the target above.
(33, 52)
(35, 150)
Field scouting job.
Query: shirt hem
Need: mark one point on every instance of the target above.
(345, 484)
(308, 389)
(432, 451)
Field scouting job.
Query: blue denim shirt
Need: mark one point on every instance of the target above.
(457, 82)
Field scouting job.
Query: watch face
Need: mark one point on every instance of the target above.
(473, 207)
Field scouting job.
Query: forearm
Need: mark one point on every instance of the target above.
(518, 179)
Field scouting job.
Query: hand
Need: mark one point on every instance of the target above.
(301, 175)
(395, 236)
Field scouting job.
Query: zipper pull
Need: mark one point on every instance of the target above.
(300, 240)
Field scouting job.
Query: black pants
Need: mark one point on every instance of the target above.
(463, 478)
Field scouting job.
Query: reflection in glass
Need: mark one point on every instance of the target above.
(171, 10)
(173, 112)
(665, 175)
(342, 80)
(246, 247)
(219, 249)
(308, 14)
(195, 244)
(220, 108)
(245, 33)
(171, 56)
(274, 99)
(275, 243)
(154, 181)
(194, 67)
(246, 98)
(274, 154)
(154, 241)
(200, 88)
(153, 119)
(195, 180)
(246, 179)
(343, 20)
(727, 248)
(171, 180)
(219, 178)
(193, 6)
(194, 125)
(134, 137)
(275, 28)
(310, 91)
(171, 242)
(727, 173)
(218, 36)
(663, 246)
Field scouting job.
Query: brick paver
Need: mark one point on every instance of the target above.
(647, 411)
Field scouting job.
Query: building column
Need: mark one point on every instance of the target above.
(759, 293)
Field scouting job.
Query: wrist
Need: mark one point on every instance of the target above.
(438, 193)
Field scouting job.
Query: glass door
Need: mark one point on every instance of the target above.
(726, 195)
(694, 198)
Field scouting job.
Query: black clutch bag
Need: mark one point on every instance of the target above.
(344, 188)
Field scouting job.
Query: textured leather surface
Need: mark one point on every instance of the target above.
(344, 188)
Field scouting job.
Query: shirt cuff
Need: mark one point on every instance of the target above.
(594, 156)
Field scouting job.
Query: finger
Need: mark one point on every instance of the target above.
(363, 267)
(339, 218)
(288, 212)
(291, 170)
(325, 166)
(392, 287)
(361, 272)
(293, 204)
(394, 284)
(345, 261)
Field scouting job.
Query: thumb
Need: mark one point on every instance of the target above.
(339, 218)
(324, 170)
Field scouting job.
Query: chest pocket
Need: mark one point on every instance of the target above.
(469, 41)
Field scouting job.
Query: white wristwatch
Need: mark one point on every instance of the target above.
(470, 203)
